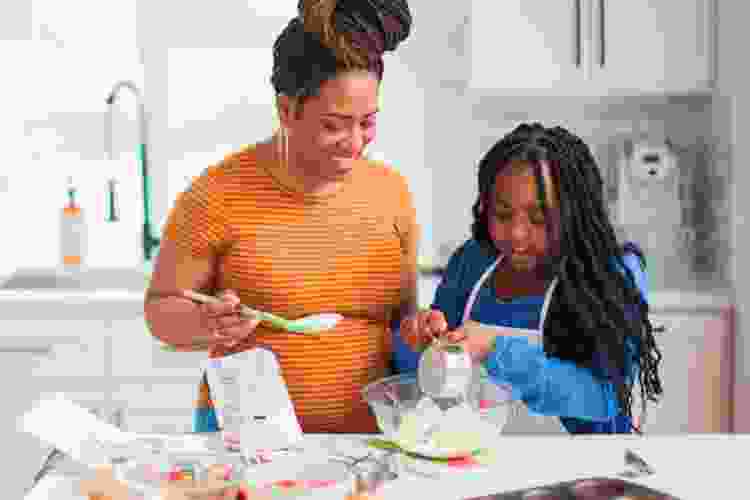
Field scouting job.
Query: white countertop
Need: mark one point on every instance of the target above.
(681, 465)
(73, 304)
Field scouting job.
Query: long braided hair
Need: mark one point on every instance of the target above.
(595, 309)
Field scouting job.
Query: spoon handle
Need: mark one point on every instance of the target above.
(276, 321)
(246, 311)
(208, 299)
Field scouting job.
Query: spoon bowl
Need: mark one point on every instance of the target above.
(309, 324)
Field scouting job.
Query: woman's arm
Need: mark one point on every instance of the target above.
(187, 258)
(172, 318)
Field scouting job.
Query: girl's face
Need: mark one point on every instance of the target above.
(334, 127)
(517, 223)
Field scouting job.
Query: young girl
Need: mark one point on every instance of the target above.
(542, 294)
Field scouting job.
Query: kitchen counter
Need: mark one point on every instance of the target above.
(73, 304)
(528, 462)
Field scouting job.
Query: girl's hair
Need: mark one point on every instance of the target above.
(595, 307)
(329, 37)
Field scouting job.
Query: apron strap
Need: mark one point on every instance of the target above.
(477, 287)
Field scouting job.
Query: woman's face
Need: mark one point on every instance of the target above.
(517, 222)
(334, 127)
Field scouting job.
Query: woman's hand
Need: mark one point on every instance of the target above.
(422, 328)
(231, 331)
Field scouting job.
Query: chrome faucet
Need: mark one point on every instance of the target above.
(150, 242)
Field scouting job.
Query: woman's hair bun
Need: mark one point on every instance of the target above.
(357, 30)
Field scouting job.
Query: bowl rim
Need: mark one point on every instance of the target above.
(411, 377)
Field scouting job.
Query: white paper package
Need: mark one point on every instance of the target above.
(252, 401)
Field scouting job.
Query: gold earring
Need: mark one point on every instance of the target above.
(285, 137)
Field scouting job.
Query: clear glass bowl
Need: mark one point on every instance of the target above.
(392, 397)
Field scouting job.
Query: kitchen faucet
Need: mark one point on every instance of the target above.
(150, 242)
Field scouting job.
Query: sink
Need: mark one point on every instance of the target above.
(98, 278)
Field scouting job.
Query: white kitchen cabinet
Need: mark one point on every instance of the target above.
(591, 47)
(157, 421)
(136, 353)
(157, 394)
(528, 46)
(22, 388)
(657, 46)
(28, 453)
(66, 351)
(152, 388)
(695, 373)
(39, 357)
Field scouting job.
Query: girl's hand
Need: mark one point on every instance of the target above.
(231, 331)
(479, 340)
(422, 328)
(476, 342)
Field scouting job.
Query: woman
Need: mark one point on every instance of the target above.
(541, 231)
(302, 224)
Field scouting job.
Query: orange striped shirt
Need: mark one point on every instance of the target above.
(296, 254)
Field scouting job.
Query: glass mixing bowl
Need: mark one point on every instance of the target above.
(392, 397)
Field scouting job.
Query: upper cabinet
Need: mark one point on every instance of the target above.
(591, 47)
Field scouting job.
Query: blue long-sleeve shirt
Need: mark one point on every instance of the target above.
(547, 385)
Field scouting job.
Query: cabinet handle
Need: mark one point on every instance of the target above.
(659, 329)
(578, 33)
(602, 40)
(39, 351)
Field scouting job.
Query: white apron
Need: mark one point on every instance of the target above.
(521, 421)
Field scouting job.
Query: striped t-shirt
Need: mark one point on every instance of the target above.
(294, 254)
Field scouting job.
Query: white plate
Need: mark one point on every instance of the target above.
(428, 451)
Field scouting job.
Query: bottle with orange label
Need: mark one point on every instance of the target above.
(73, 234)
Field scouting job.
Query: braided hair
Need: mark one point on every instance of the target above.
(329, 37)
(595, 308)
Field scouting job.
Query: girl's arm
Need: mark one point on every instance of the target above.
(549, 386)
(552, 386)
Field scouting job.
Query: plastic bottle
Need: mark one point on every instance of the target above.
(73, 233)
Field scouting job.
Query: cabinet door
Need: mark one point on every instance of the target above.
(157, 394)
(527, 47)
(156, 406)
(696, 388)
(136, 353)
(155, 421)
(19, 392)
(24, 453)
(648, 46)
